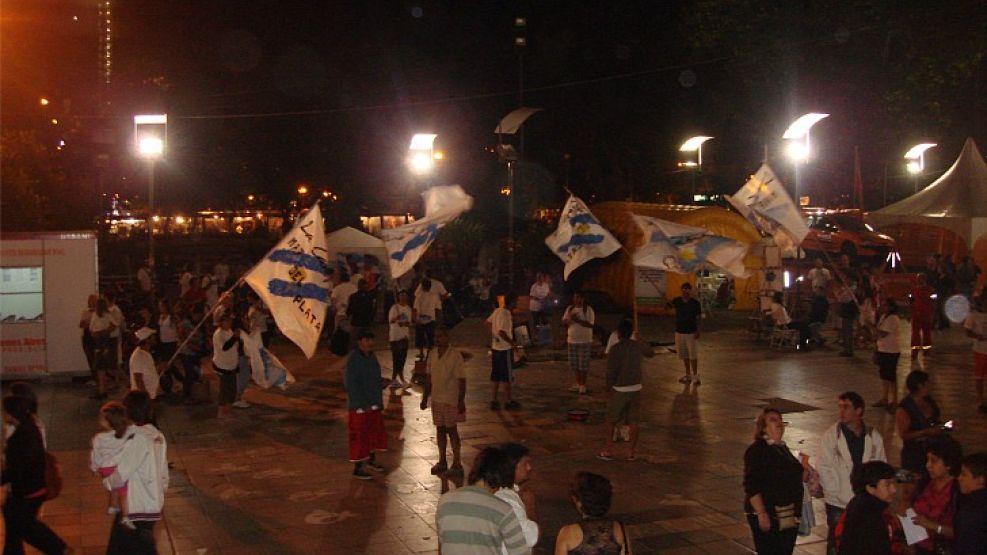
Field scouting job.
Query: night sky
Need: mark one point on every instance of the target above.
(263, 95)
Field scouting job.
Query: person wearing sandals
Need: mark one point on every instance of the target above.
(624, 386)
(445, 384)
(595, 534)
(772, 486)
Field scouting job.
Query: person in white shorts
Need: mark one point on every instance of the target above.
(688, 312)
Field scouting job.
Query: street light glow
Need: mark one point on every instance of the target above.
(421, 162)
(797, 151)
(914, 167)
(800, 127)
(694, 144)
(43, 101)
(150, 147)
(302, 190)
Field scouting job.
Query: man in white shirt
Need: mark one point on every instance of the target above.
(845, 445)
(143, 373)
(579, 319)
(820, 276)
(115, 336)
(399, 332)
(502, 342)
(437, 288)
(520, 498)
(538, 295)
(426, 310)
(340, 296)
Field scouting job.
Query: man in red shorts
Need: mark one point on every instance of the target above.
(366, 403)
(976, 328)
(923, 300)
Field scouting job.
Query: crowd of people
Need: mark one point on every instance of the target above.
(172, 330)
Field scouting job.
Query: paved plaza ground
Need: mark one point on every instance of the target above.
(275, 478)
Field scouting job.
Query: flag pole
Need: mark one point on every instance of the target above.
(227, 293)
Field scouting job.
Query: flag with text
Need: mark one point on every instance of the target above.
(580, 237)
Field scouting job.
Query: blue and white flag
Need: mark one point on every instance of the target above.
(764, 201)
(406, 244)
(580, 237)
(293, 281)
(684, 249)
(265, 368)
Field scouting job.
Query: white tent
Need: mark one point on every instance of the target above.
(353, 241)
(957, 201)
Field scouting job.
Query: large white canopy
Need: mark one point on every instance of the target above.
(956, 201)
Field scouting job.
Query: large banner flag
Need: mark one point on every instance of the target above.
(293, 281)
(580, 237)
(684, 249)
(406, 244)
(764, 201)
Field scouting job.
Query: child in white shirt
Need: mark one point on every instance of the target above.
(107, 448)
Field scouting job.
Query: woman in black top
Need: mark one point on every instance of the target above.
(773, 487)
(917, 421)
(24, 482)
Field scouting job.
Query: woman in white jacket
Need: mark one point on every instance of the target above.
(143, 466)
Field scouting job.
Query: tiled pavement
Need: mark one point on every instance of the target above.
(275, 479)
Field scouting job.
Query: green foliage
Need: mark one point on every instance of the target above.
(29, 174)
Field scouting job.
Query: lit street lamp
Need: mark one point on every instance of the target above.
(916, 161)
(799, 151)
(694, 144)
(150, 139)
(421, 154)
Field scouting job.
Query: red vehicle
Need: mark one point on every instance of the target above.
(845, 232)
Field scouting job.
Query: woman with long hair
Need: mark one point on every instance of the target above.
(917, 420)
(595, 534)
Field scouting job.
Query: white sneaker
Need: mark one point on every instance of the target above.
(574, 387)
(241, 404)
(112, 510)
(625, 433)
(582, 390)
(685, 379)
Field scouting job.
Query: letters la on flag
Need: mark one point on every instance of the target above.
(764, 201)
(684, 249)
(293, 281)
(580, 237)
(406, 244)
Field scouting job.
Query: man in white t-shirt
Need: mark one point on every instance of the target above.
(426, 310)
(145, 279)
(820, 276)
(143, 373)
(437, 288)
(115, 336)
(502, 342)
(538, 295)
(399, 319)
(340, 296)
(579, 319)
(976, 328)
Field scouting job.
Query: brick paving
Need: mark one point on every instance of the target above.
(275, 478)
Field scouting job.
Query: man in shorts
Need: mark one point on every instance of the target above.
(362, 380)
(688, 311)
(502, 343)
(976, 329)
(624, 386)
(445, 384)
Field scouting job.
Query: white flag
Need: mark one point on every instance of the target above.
(580, 237)
(406, 244)
(684, 249)
(764, 201)
(293, 279)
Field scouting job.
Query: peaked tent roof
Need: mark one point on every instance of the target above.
(348, 240)
(957, 201)
(961, 192)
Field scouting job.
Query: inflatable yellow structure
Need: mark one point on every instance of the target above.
(617, 276)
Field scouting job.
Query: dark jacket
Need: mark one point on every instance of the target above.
(25, 455)
(970, 524)
(775, 473)
(865, 529)
(624, 362)
(362, 381)
(361, 309)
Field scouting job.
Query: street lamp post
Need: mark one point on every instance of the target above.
(916, 162)
(150, 137)
(694, 144)
(799, 150)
